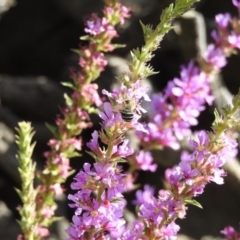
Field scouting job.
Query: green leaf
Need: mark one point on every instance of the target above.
(69, 85)
(193, 202)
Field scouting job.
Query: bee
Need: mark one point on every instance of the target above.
(128, 110)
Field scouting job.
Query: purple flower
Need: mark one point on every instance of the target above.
(99, 60)
(227, 152)
(144, 161)
(152, 212)
(234, 40)
(200, 146)
(104, 213)
(217, 176)
(230, 233)
(223, 20)
(215, 57)
(108, 116)
(93, 144)
(229, 149)
(80, 196)
(135, 233)
(99, 216)
(81, 178)
(174, 175)
(170, 231)
(158, 136)
(123, 12)
(96, 26)
(188, 173)
(217, 38)
(139, 126)
(236, 3)
(77, 229)
(123, 150)
(144, 196)
(174, 112)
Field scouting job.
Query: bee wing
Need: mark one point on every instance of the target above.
(116, 108)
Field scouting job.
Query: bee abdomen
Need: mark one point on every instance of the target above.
(127, 116)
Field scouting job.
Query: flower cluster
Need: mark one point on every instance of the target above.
(75, 116)
(174, 112)
(227, 39)
(187, 180)
(177, 109)
(230, 232)
(99, 201)
(127, 99)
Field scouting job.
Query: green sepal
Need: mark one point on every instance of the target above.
(19, 192)
(147, 30)
(133, 56)
(55, 172)
(193, 202)
(77, 51)
(71, 172)
(119, 160)
(165, 17)
(92, 154)
(49, 221)
(236, 99)
(68, 100)
(116, 46)
(71, 126)
(46, 171)
(92, 110)
(69, 85)
(52, 129)
(137, 53)
(148, 71)
(85, 38)
(73, 154)
(116, 200)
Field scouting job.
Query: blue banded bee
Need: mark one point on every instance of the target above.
(128, 110)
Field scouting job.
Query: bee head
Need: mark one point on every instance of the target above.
(129, 104)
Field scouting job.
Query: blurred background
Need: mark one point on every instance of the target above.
(36, 38)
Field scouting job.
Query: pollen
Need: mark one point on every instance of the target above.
(94, 213)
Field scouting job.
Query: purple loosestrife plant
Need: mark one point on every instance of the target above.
(75, 116)
(27, 211)
(156, 216)
(177, 109)
(230, 233)
(99, 202)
